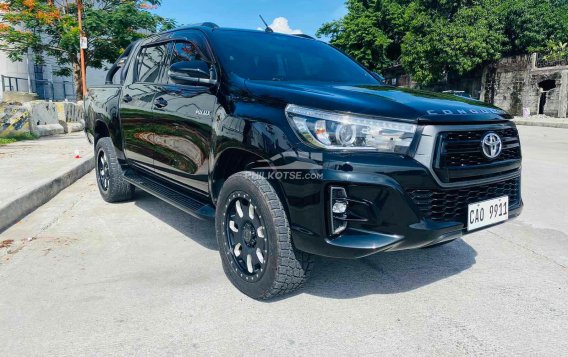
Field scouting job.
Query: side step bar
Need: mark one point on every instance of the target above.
(188, 203)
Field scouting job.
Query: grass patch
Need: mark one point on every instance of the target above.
(17, 137)
(4, 141)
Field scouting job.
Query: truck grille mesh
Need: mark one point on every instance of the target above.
(451, 204)
(464, 148)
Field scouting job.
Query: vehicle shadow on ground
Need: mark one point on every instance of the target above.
(389, 273)
(200, 231)
(382, 273)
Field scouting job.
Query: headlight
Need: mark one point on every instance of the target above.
(332, 130)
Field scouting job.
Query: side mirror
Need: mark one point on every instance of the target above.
(192, 72)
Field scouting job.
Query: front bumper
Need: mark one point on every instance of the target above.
(389, 218)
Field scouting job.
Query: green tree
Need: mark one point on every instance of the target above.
(358, 35)
(437, 43)
(48, 28)
(530, 25)
(556, 51)
(431, 38)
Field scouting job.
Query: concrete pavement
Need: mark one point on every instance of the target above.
(542, 120)
(34, 171)
(83, 277)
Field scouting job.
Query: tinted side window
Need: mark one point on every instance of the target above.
(186, 52)
(150, 63)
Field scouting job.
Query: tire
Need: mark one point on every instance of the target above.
(280, 268)
(112, 185)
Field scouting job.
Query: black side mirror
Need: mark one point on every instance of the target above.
(192, 72)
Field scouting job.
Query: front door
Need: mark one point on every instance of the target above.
(136, 106)
(184, 115)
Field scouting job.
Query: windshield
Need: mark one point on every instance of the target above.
(274, 57)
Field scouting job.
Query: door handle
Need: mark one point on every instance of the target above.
(160, 103)
(127, 98)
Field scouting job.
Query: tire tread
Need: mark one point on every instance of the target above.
(119, 189)
(293, 266)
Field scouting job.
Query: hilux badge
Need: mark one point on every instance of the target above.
(491, 145)
(202, 112)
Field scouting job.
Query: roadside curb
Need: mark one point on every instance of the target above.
(547, 124)
(21, 206)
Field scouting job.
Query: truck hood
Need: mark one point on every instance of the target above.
(384, 101)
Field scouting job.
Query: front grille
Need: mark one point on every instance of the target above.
(460, 156)
(451, 204)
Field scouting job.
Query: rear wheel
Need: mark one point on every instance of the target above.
(254, 239)
(112, 185)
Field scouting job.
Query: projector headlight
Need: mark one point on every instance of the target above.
(336, 131)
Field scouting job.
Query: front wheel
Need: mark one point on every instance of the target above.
(254, 239)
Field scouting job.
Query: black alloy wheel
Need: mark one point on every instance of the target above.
(246, 237)
(103, 171)
(255, 241)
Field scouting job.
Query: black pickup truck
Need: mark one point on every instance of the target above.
(295, 149)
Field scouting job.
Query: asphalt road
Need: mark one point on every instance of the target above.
(83, 277)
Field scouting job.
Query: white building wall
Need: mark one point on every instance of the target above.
(14, 69)
(44, 82)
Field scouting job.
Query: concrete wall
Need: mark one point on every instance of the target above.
(505, 83)
(70, 116)
(19, 97)
(557, 98)
(41, 118)
(14, 120)
(563, 88)
(513, 84)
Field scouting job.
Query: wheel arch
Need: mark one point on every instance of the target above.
(229, 162)
(101, 131)
(233, 160)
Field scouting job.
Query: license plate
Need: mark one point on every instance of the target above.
(488, 212)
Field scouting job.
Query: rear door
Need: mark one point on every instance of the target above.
(136, 105)
(184, 115)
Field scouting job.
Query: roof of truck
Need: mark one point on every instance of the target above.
(210, 26)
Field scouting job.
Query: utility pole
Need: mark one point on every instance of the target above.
(82, 49)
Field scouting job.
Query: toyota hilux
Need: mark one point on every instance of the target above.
(294, 149)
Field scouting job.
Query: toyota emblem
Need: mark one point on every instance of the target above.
(491, 145)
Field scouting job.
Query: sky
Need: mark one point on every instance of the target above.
(288, 16)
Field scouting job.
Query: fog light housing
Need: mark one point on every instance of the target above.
(339, 207)
(338, 210)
